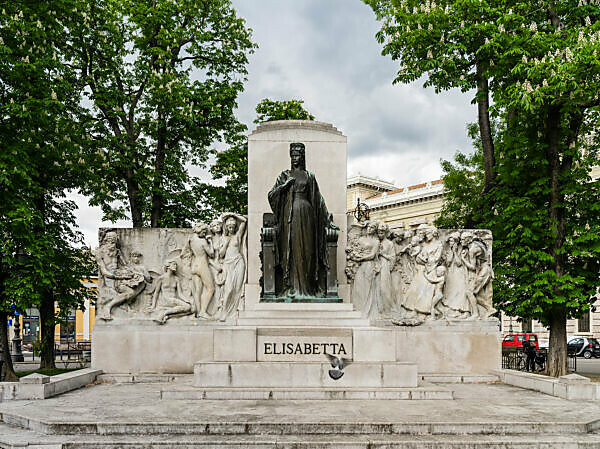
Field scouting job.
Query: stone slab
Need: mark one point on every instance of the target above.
(52, 386)
(15, 437)
(468, 348)
(566, 387)
(234, 344)
(461, 350)
(373, 344)
(133, 413)
(314, 394)
(140, 348)
(303, 375)
(35, 379)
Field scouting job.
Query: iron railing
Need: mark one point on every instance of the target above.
(517, 360)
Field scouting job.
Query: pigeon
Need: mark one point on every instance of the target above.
(338, 365)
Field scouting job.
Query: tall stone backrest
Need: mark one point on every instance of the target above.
(268, 156)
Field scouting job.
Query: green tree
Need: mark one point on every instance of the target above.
(231, 165)
(463, 183)
(539, 62)
(268, 110)
(163, 77)
(42, 157)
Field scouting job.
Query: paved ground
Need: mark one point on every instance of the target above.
(475, 403)
(588, 367)
(132, 416)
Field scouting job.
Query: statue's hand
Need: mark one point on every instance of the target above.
(290, 182)
(332, 225)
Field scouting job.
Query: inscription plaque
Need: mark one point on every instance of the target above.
(302, 345)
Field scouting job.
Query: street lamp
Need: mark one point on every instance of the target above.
(361, 213)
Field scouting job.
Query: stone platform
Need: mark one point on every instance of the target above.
(111, 416)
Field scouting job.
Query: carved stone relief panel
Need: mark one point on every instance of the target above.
(161, 274)
(416, 275)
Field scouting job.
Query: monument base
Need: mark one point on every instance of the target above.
(302, 299)
(463, 349)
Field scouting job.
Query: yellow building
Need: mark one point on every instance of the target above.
(78, 325)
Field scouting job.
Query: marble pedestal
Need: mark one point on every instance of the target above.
(465, 349)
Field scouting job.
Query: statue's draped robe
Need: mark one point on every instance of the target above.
(302, 219)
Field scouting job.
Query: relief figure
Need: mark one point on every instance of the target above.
(455, 292)
(203, 287)
(168, 295)
(387, 259)
(234, 266)
(116, 280)
(365, 290)
(216, 266)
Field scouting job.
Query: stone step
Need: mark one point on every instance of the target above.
(298, 307)
(304, 375)
(299, 321)
(326, 394)
(276, 314)
(17, 438)
(297, 430)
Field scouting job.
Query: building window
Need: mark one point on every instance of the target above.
(583, 323)
(67, 327)
(527, 325)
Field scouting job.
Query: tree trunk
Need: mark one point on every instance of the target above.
(485, 129)
(47, 324)
(133, 191)
(7, 367)
(159, 165)
(557, 363)
(557, 346)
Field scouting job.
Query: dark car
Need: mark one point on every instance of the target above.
(584, 347)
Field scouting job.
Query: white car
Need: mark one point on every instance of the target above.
(584, 347)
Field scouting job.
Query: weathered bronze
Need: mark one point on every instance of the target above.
(304, 230)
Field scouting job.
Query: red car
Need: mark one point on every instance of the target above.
(512, 342)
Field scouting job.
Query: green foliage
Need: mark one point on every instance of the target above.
(463, 184)
(163, 78)
(528, 283)
(540, 62)
(43, 150)
(269, 110)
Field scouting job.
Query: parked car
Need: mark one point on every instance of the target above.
(512, 342)
(584, 347)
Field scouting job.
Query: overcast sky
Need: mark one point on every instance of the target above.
(325, 53)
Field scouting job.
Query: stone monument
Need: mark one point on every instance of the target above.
(259, 306)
